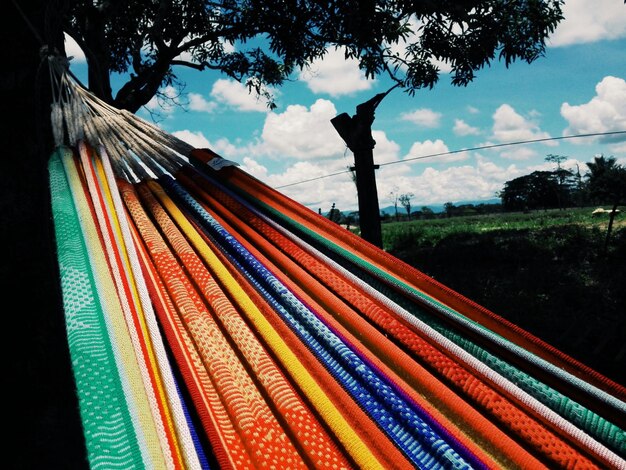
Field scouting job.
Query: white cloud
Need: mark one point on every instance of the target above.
(236, 94)
(319, 193)
(314, 188)
(187, 56)
(422, 117)
(462, 128)
(385, 150)
(254, 168)
(223, 147)
(72, 49)
(195, 139)
(229, 47)
(444, 67)
(509, 126)
(197, 102)
(518, 153)
(434, 148)
(460, 183)
(605, 112)
(472, 110)
(587, 21)
(478, 180)
(335, 75)
(298, 133)
(302, 133)
(428, 147)
(481, 181)
(399, 49)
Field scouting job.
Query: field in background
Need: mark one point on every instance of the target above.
(545, 271)
(431, 231)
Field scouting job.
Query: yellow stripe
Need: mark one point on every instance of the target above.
(340, 427)
(124, 353)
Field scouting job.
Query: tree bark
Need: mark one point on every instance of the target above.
(367, 194)
(43, 407)
(98, 71)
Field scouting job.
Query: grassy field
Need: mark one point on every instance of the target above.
(434, 230)
(545, 271)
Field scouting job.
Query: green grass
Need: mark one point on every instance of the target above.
(431, 231)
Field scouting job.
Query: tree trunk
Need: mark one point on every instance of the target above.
(367, 195)
(43, 407)
(99, 78)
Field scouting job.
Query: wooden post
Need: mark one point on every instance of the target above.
(369, 211)
(356, 131)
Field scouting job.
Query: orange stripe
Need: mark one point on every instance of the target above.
(545, 443)
(265, 439)
(307, 430)
(377, 442)
(165, 311)
(228, 446)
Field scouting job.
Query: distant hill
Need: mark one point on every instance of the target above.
(437, 207)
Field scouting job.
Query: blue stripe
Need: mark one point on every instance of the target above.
(424, 447)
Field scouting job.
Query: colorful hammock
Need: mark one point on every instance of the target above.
(215, 323)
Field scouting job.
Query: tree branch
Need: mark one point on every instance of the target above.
(200, 66)
(214, 36)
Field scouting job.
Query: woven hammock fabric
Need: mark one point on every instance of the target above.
(215, 323)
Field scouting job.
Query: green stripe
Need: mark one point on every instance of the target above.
(109, 434)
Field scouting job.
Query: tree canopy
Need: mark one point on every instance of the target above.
(607, 180)
(262, 43)
(538, 190)
(604, 183)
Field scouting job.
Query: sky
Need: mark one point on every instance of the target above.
(428, 145)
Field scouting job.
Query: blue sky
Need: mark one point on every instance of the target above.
(579, 87)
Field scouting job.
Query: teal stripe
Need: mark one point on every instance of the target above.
(109, 434)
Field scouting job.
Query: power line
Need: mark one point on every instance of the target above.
(470, 149)
(313, 179)
(520, 142)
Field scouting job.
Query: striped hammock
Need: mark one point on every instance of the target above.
(215, 323)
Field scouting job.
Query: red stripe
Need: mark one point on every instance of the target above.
(296, 416)
(261, 433)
